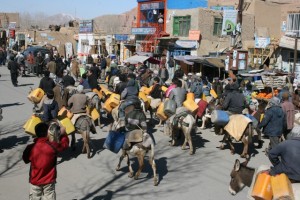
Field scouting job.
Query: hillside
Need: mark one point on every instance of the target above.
(115, 24)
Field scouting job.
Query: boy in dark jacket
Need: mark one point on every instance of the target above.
(273, 122)
(50, 107)
(42, 156)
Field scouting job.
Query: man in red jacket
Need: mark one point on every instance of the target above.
(42, 155)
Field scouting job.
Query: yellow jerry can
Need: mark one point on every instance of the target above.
(191, 106)
(114, 100)
(213, 93)
(99, 93)
(66, 122)
(262, 189)
(30, 125)
(282, 187)
(190, 96)
(164, 88)
(160, 112)
(36, 95)
(65, 113)
(95, 114)
(107, 107)
(146, 100)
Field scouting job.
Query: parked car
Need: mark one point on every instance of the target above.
(35, 50)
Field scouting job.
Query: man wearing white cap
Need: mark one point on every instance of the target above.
(78, 102)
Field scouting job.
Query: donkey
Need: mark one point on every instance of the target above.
(115, 114)
(242, 175)
(185, 124)
(246, 139)
(83, 125)
(139, 150)
(94, 102)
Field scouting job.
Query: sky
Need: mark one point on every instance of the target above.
(84, 9)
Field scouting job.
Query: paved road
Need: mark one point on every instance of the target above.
(204, 175)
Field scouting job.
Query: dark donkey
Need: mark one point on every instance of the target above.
(241, 176)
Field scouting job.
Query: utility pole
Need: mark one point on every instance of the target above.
(295, 55)
(240, 12)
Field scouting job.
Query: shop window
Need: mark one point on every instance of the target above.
(217, 26)
(293, 24)
(181, 25)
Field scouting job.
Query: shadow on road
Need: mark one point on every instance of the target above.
(13, 141)
(108, 196)
(23, 85)
(11, 104)
(96, 146)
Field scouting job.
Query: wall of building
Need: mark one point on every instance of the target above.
(268, 15)
(84, 49)
(186, 4)
(174, 12)
(203, 20)
(223, 3)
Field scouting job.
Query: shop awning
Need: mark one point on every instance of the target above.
(136, 59)
(207, 61)
(184, 59)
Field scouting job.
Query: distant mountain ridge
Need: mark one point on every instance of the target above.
(106, 24)
(43, 21)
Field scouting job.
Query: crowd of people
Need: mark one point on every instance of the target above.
(233, 95)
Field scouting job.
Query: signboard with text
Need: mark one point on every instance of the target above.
(262, 42)
(229, 22)
(194, 35)
(289, 43)
(120, 37)
(86, 26)
(143, 31)
(187, 44)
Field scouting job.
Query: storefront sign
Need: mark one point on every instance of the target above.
(194, 35)
(187, 44)
(283, 26)
(289, 43)
(43, 34)
(274, 81)
(120, 37)
(12, 33)
(86, 26)
(179, 53)
(108, 39)
(143, 31)
(262, 42)
(229, 22)
(152, 6)
(222, 7)
(69, 49)
(12, 25)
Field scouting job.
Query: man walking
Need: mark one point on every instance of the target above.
(14, 68)
(42, 156)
